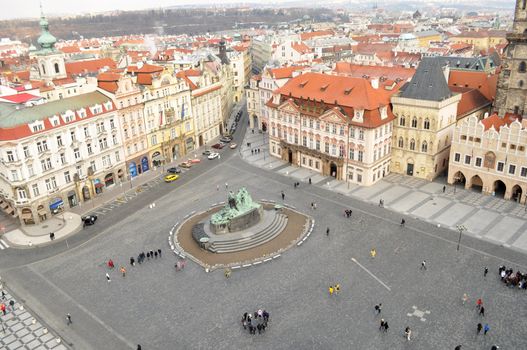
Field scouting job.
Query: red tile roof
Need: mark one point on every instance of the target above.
(359, 71)
(145, 68)
(318, 33)
(206, 91)
(301, 48)
(108, 81)
(471, 100)
(497, 122)
(90, 66)
(20, 98)
(284, 72)
(485, 83)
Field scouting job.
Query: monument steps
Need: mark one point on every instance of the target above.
(261, 237)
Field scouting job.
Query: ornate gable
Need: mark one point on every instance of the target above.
(333, 116)
(288, 106)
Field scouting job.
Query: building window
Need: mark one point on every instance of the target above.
(352, 132)
(457, 157)
(93, 166)
(512, 169)
(46, 164)
(57, 69)
(86, 132)
(42, 146)
(360, 156)
(48, 185)
(36, 191)
(154, 140)
(523, 172)
(414, 122)
(117, 156)
(326, 147)
(361, 134)
(412, 144)
(317, 145)
(77, 153)
(67, 177)
(30, 170)
(479, 161)
(352, 154)
(402, 121)
(359, 178)
(14, 175)
(467, 159)
(26, 152)
(103, 144)
(500, 166)
(426, 124)
(522, 67)
(400, 143)
(10, 156)
(424, 147)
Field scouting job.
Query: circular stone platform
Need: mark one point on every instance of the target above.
(295, 226)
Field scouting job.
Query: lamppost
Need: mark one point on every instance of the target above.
(461, 229)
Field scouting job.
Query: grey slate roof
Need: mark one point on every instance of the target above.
(10, 116)
(471, 63)
(428, 82)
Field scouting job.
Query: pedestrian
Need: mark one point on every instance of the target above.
(314, 205)
(155, 254)
(152, 254)
(159, 252)
(457, 347)
(12, 304)
(139, 347)
(123, 271)
(465, 298)
(111, 264)
(283, 195)
(108, 277)
(479, 303)
(51, 236)
(310, 181)
(373, 253)
(337, 289)
(252, 151)
(227, 273)
(3, 308)
(148, 255)
(68, 319)
(3, 295)
(423, 265)
(444, 188)
(378, 308)
(386, 326)
(132, 261)
(485, 271)
(494, 347)
(482, 311)
(331, 290)
(327, 231)
(226, 186)
(403, 222)
(407, 333)
(381, 327)
(486, 328)
(381, 203)
(217, 187)
(479, 328)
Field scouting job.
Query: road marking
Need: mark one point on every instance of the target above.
(371, 274)
(4, 243)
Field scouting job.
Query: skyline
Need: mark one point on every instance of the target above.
(31, 8)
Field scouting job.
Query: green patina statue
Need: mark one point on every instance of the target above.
(237, 205)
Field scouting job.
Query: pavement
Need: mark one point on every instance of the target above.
(159, 308)
(503, 222)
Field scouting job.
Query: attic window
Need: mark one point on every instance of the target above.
(302, 84)
(324, 87)
(347, 91)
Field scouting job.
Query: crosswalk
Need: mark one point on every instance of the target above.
(3, 244)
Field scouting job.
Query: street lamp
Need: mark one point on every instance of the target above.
(460, 228)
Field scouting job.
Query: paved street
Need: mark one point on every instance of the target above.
(191, 309)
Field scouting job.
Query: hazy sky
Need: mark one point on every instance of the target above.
(31, 8)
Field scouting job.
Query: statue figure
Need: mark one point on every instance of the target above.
(232, 201)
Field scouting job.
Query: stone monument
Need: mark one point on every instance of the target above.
(240, 213)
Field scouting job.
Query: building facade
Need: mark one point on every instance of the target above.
(253, 102)
(58, 154)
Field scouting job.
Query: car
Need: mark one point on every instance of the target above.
(226, 139)
(194, 161)
(174, 170)
(88, 220)
(233, 145)
(185, 165)
(213, 155)
(218, 145)
(171, 177)
(206, 152)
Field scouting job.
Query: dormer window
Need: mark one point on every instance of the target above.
(384, 112)
(81, 113)
(358, 115)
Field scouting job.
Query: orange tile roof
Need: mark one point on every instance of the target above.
(284, 72)
(70, 49)
(90, 66)
(206, 91)
(108, 81)
(300, 48)
(495, 121)
(471, 100)
(358, 71)
(311, 35)
(146, 68)
(485, 83)
(346, 93)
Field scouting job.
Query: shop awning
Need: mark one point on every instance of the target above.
(42, 211)
(56, 204)
(158, 158)
(99, 185)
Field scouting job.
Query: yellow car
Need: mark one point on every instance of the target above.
(171, 177)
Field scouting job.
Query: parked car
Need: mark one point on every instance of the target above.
(226, 139)
(194, 161)
(213, 155)
(185, 165)
(88, 220)
(174, 170)
(206, 152)
(171, 177)
(233, 145)
(218, 146)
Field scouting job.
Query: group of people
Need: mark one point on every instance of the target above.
(256, 321)
(334, 289)
(255, 151)
(512, 279)
(296, 184)
(348, 212)
(140, 259)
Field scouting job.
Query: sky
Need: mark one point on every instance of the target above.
(31, 8)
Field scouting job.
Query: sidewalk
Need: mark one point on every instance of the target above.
(490, 218)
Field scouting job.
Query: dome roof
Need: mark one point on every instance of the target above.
(46, 40)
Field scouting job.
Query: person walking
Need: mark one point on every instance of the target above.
(159, 252)
(423, 265)
(139, 347)
(3, 308)
(331, 290)
(337, 289)
(479, 303)
(227, 272)
(485, 271)
(381, 327)
(3, 295)
(373, 253)
(378, 308)
(482, 311)
(123, 271)
(479, 328)
(386, 326)
(444, 188)
(465, 298)
(226, 186)
(407, 333)
(108, 277)
(403, 222)
(283, 195)
(68, 319)
(457, 347)
(132, 261)
(494, 347)
(327, 232)
(486, 328)
(310, 181)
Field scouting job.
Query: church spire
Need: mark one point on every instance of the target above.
(46, 40)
